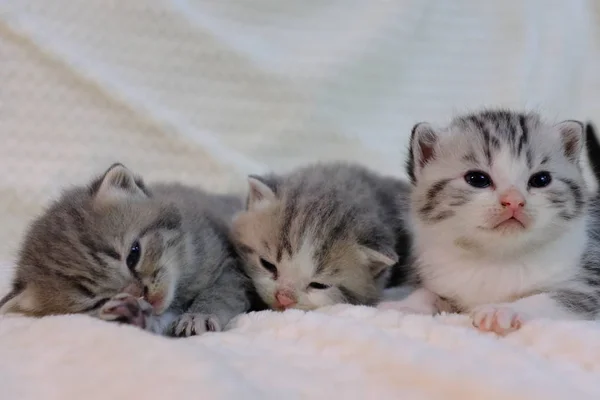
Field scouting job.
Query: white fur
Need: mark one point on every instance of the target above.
(475, 281)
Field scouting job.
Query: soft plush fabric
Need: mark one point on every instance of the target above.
(344, 352)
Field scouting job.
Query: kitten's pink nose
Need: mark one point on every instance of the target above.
(512, 199)
(285, 299)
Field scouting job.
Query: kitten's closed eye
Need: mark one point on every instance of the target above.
(478, 179)
(269, 267)
(317, 285)
(540, 179)
(134, 255)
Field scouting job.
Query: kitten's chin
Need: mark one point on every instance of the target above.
(511, 226)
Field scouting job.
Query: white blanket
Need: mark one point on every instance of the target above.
(344, 352)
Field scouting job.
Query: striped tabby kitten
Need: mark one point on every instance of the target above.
(321, 235)
(157, 257)
(504, 226)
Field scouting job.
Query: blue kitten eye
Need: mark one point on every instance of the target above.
(478, 179)
(540, 179)
(269, 266)
(134, 255)
(317, 285)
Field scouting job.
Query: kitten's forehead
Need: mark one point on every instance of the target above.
(502, 138)
(299, 265)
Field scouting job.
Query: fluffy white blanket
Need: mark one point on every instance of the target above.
(343, 352)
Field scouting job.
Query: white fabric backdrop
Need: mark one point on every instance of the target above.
(208, 91)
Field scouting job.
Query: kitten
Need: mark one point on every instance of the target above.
(504, 227)
(158, 257)
(321, 235)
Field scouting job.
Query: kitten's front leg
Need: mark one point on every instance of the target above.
(504, 318)
(419, 301)
(216, 305)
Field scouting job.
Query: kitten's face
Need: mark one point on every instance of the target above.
(292, 266)
(95, 243)
(497, 180)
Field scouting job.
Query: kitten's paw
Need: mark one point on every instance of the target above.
(127, 309)
(500, 319)
(191, 324)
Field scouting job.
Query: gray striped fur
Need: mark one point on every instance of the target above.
(73, 258)
(337, 224)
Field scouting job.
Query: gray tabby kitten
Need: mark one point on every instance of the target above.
(321, 235)
(158, 257)
(504, 226)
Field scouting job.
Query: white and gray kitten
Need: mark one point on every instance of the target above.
(504, 226)
(321, 235)
(158, 257)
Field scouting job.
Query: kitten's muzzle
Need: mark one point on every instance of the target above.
(512, 199)
(284, 299)
(513, 204)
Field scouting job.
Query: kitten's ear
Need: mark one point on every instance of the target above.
(572, 135)
(117, 183)
(19, 300)
(261, 191)
(422, 149)
(378, 260)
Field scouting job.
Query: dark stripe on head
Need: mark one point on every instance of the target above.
(495, 143)
(529, 158)
(556, 199)
(485, 133)
(431, 198)
(266, 246)
(169, 219)
(289, 212)
(470, 158)
(337, 232)
(352, 298)
(577, 194)
(459, 198)
(524, 134)
(442, 215)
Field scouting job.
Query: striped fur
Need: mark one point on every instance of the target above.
(73, 258)
(337, 224)
(504, 274)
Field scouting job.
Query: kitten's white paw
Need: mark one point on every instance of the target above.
(500, 319)
(191, 324)
(127, 309)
